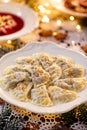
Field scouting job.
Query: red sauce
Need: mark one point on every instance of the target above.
(10, 23)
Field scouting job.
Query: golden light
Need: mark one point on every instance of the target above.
(41, 8)
(73, 43)
(55, 33)
(56, 1)
(46, 4)
(9, 41)
(72, 18)
(48, 11)
(45, 19)
(78, 27)
(0, 46)
(59, 22)
(5, 1)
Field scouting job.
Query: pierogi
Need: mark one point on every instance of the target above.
(44, 79)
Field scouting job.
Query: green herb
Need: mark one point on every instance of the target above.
(69, 118)
(10, 122)
(82, 113)
(75, 115)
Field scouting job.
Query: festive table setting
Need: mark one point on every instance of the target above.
(57, 27)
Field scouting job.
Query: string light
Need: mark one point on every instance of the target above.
(72, 18)
(78, 27)
(9, 41)
(41, 8)
(59, 22)
(48, 12)
(0, 46)
(56, 1)
(46, 4)
(5, 1)
(45, 19)
(73, 43)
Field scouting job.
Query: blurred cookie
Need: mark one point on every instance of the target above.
(60, 35)
(84, 48)
(45, 33)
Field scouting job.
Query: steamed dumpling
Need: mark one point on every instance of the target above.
(75, 84)
(21, 91)
(59, 95)
(39, 76)
(45, 59)
(54, 70)
(14, 68)
(75, 71)
(64, 62)
(39, 96)
(27, 60)
(10, 81)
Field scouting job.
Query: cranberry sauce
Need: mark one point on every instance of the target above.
(10, 23)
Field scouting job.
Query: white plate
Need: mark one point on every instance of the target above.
(25, 13)
(59, 4)
(54, 49)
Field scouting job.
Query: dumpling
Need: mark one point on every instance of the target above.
(44, 79)
(75, 84)
(27, 60)
(10, 81)
(54, 70)
(45, 59)
(39, 76)
(64, 62)
(39, 96)
(13, 68)
(24, 60)
(75, 71)
(59, 95)
(21, 91)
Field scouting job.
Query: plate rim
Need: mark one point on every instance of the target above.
(26, 29)
(41, 111)
(60, 6)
